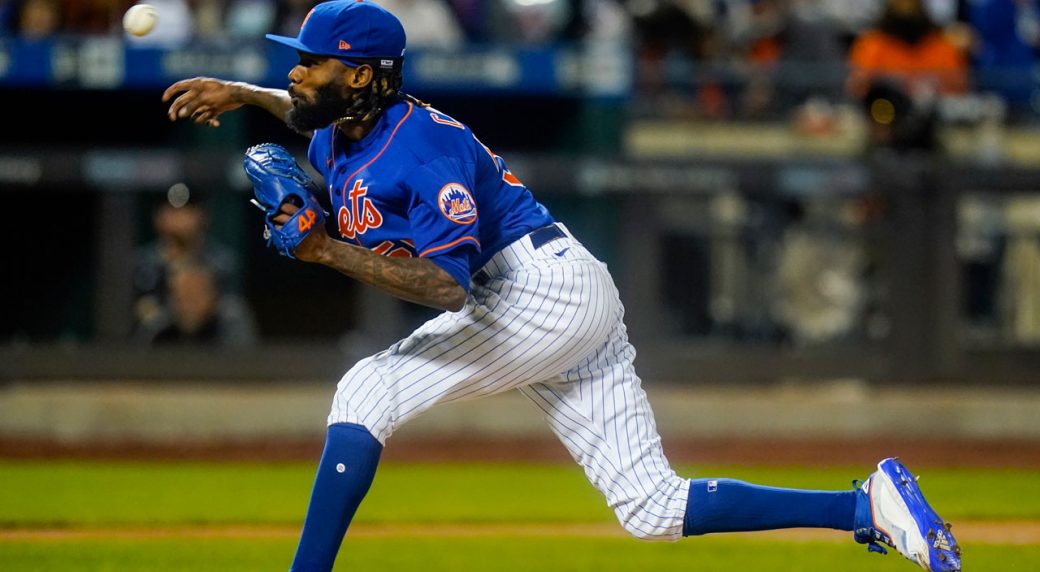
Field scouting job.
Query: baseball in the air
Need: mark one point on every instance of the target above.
(139, 19)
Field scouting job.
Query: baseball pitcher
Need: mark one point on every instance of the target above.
(426, 212)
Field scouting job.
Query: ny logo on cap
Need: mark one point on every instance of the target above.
(344, 45)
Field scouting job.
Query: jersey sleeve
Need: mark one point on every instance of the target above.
(444, 215)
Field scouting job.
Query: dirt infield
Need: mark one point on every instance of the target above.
(803, 452)
(970, 532)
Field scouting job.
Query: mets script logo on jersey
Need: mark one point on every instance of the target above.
(457, 204)
(361, 214)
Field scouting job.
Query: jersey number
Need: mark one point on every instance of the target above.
(389, 248)
(507, 176)
(306, 220)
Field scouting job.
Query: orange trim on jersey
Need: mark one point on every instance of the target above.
(488, 149)
(379, 154)
(445, 120)
(449, 245)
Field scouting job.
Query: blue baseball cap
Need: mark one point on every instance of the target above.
(347, 29)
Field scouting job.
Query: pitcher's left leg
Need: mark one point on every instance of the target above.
(601, 413)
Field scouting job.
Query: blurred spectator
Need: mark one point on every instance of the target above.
(1006, 37)
(180, 221)
(244, 19)
(797, 52)
(666, 27)
(38, 19)
(910, 48)
(427, 23)
(896, 121)
(208, 18)
(250, 18)
(812, 66)
(672, 38)
(524, 21)
(594, 21)
(943, 12)
(600, 21)
(289, 15)
(899, 70)
(94, 16)
(470, 15)
(198, 313)
(809, 33)
(853, 17)
(859, 15)
(545, 22)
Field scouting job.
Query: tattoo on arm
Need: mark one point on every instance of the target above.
(416, 280)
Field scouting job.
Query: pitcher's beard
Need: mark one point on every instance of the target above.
(328, 106)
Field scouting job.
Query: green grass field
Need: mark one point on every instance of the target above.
(164, 516)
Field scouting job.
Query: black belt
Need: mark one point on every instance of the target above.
(543, 235)
(539, 237)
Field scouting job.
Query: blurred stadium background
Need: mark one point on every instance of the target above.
(823, 216)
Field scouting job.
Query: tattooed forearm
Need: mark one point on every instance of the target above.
(416, 280)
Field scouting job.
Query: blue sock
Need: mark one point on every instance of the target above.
(345, 473)
(726, 505)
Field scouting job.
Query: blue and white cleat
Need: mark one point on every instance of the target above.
(892, 510)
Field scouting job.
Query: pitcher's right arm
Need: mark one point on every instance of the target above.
(204, 99)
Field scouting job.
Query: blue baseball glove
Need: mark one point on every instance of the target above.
(278, 179)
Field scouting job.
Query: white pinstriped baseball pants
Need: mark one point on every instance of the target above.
(549, 323)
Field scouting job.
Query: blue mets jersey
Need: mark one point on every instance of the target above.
(421, 184)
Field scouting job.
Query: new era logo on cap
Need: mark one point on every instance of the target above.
(373, 32)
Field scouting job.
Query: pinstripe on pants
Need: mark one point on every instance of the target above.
(550, 325)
